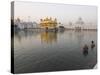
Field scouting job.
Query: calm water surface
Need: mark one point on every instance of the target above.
(36, 51)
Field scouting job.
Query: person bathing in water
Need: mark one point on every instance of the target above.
(92, 44)
(85, 48)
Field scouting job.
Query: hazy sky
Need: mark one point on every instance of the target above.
(63, 12)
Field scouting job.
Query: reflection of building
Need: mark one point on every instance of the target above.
(48, 37)
(79, 24)
(48, 23)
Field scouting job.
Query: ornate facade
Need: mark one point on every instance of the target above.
(48, 23)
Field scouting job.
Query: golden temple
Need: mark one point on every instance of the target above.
(48, 23)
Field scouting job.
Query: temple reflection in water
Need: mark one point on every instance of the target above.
(48, 37)
(45, 37)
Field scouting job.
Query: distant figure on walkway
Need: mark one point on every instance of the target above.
(92, 44)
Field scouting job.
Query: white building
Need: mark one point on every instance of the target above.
(25, 25)
(79, 24)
